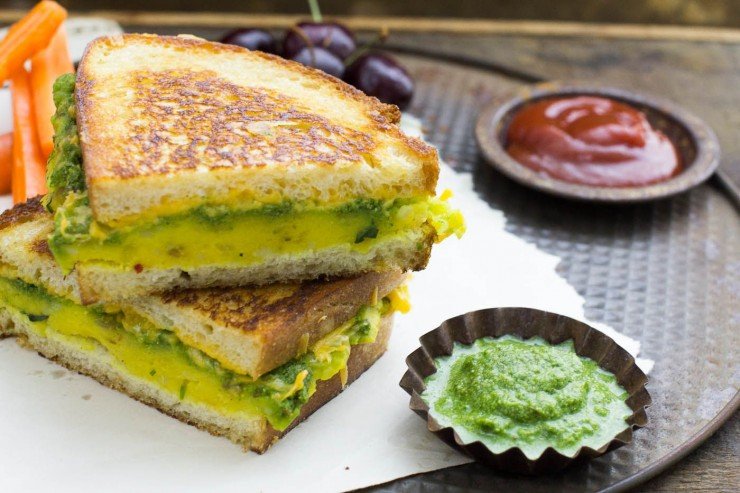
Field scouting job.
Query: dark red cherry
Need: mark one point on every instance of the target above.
(253, 39)
(321, 59)
(379, 75)
(329, 35)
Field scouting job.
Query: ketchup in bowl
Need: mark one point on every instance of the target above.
(593, 141)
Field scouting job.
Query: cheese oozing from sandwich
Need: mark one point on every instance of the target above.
(159, 358)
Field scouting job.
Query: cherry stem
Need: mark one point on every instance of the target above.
(315, 10)
(380, 38)
(302, 34)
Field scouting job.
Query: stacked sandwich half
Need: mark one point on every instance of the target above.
(226, 233)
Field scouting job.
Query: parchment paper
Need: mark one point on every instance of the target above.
(64, 432)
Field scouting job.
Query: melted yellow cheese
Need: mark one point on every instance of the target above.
(243, 239)
(172, 369)
(400, 299)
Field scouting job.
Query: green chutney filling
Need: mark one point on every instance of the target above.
(507, 392)
(65, 174)
(242, 235)
(158, 356)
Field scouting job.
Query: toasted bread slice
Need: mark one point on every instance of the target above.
(251, 432)
(24, 251)
(248, 330)
(253, 330)
(169, 123)
(208, 165)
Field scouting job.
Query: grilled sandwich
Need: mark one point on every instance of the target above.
(244, 363)
(181, 163)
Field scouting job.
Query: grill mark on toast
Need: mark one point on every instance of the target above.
(249, 309)
(384, 117)
(22, 213)
(41, 247)
(186, 119)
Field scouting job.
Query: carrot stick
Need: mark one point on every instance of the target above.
(6, 161)
(18, 175)
(46, 66)
(29, 35)
(29, 168)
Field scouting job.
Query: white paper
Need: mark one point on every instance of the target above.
(64, 432)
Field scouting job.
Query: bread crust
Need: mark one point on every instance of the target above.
(252, 434)
(320, 128)
(24, 251)
(279, 322)
(361, 359)
(21, 213)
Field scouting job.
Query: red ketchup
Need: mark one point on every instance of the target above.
(591, 141)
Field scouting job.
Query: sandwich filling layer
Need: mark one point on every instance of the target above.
(156, 355)
(239, 233)
(241, 237)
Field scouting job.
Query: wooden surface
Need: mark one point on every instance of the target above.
(698, 69)
(714, 466)
(684, 12)
(412, 24)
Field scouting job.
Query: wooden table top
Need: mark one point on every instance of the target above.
(683, 12)
(696, 67)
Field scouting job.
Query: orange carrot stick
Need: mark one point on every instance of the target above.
(46, 66)
(29, 168)
(18, 175)
(29, 35)
(6, 161)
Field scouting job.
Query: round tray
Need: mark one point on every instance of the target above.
(659, 272)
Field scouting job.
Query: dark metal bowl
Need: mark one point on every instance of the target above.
(694, 140)
(525, 323)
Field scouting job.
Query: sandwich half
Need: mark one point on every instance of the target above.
(182, 163)
(244, 363)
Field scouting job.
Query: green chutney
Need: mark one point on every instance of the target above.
(507, 392)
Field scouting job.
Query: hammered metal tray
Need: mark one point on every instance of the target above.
(665, 273)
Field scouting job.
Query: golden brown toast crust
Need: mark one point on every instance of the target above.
(217, 124)
(206, 109)
(24, 250)
(30, 210)
(287, 318)
(21, 213)
(253, 309)
(361, 359)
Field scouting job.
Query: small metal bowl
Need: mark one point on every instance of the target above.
(525, 323)
(695, 141)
